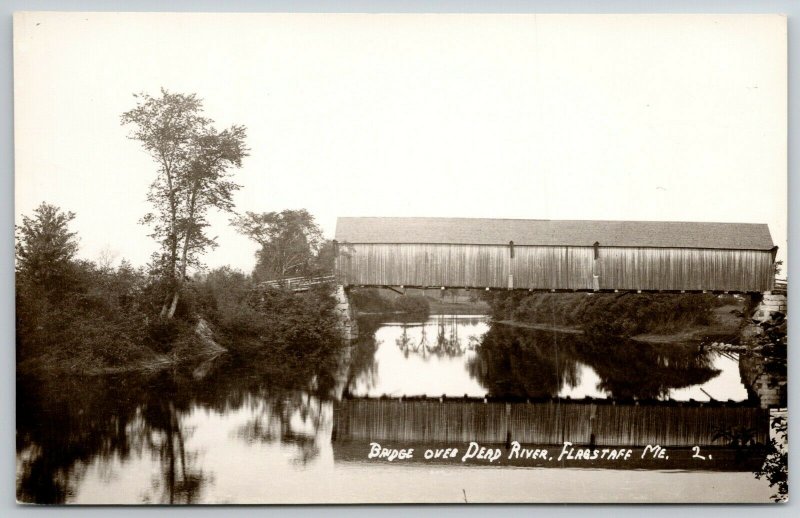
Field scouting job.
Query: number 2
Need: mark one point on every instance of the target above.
(696, 450)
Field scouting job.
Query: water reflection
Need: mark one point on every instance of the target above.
(527, 363)
(68, 427)
(420, 358)
(252, 432)
(458, 355)
(158, 429)
(292, 421)
(522, 363)
(62, 424)
(440, 335)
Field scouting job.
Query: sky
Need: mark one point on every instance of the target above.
(609, 117)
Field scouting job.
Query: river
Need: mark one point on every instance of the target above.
(245, 436)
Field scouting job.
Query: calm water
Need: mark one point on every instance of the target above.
(445, 356)
(241, 436)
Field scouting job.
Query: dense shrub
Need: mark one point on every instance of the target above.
(104, 318)
(411, 304)
(94, 319)
(369, 300)
(269, 327)
(279, 331)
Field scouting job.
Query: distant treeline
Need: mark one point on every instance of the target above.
(369, 300)
(610, 314)
(417, 302)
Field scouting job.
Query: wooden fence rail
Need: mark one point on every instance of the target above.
(298, 283)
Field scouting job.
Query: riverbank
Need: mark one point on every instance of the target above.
(196, 347)
(441, 307)
(724, 323)
(541, 327)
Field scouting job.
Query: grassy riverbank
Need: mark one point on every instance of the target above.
(724, 324)
(654, 318)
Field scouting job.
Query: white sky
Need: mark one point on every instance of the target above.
(649, 117)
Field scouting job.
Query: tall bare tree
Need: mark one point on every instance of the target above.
(194, 162)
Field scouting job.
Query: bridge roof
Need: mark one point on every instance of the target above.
(476, 231)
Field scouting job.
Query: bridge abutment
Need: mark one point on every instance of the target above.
(344, 310)
(770, 304)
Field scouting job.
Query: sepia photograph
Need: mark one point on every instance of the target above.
(267, 258)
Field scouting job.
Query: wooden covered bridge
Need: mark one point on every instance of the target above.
(554, 255)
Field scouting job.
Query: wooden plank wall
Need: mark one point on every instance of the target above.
(554, 267)
(685, 269)
(542, 423)
(425, 265)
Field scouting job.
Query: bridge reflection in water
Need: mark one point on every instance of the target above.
(582, 423)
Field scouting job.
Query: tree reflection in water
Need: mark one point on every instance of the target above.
(66, 424)
(446, 342)
(633, 370)
(518, 363)
(363, 367)
(62, 425)
(526, 363)
(295, 420)
(163, 435)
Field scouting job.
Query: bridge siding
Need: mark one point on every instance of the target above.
(685, 269)
(555, 267)
(424, 265)
(552, 267)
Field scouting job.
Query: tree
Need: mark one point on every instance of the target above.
(72, 313)
(194, 162)
(325, 260)
(290, 242)
(45, 247)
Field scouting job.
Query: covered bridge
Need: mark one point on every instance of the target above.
(554, 255)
